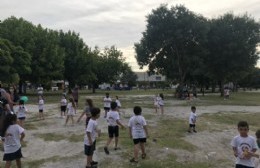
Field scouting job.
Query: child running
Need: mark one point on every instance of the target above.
(244, 146)
(41, 107)
(192, 120)
(63, 105)
(90, 137)
(71, 111)
(107, 104)
(138, 132)
(113, 130)
(21, 113)
(161, 103)
(87, 111)
(12, 136)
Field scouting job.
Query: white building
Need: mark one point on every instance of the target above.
(144, 76)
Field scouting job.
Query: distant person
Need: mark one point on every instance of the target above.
(87, 111)
(63, 106)
(113, 129)
(21, 113)
(156, 103)
(244, 146)
(41, 107)
(71, 111)
(161, 103)
(75, 94)
(119, 105)
(138, 132)
(192, 120)
(107, 103)
(92, 132)
(226, 93)
(12, 136)
(40, 90)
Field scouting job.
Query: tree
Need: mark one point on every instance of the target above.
(173, 43)
(128, 76)
(232, 42)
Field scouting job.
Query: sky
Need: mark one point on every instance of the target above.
(104, 23)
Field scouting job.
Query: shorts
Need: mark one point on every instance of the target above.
(139, 140)
(76, 100)
(21, 118)
(63, 108)
(89, 150)
(113, 131)
(242, 166)
(13, 156)
(192, 125)
(40, 111)
(106, 108)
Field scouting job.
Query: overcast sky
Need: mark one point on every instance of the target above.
(113, 22)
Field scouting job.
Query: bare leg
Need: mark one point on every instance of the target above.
(109, 141)
(8, 164)
(136, 150)
(72, 120)
(67, 119)
(89, 160)
(116, 142)
(18, 163)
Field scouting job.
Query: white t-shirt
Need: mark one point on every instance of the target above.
(160, 101)
(71, 109)
(12, 138)
(92, 128)
(107, 102)
(137, 123)
(192, 118)
(257, 160)
(156, 99)
(21, 111)
(118, 103)
(243, 143)
(41, 104)
(63, 102)
(112, 117)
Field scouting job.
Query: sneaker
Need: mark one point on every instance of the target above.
(195, 131)
(189, 131)
(133, 160)
(106, 150)
(93, 163)
(144, 156)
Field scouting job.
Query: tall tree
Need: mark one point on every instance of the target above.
(173, 43)
(232, 42)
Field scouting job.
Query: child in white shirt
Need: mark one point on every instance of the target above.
(192, 120)
(41, 107)
(138, 132)
(12, 136)
(244, 146)
(71, 111)
(90, 137)
(63, 105)
(21, 113)
(107, 104)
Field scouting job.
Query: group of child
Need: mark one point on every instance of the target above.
(244, 145)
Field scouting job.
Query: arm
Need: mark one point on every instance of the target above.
(146, 131)
(235, 151)
(22, 136)
(130, 132)
(119, 123)
(89, 138)
(81, 116)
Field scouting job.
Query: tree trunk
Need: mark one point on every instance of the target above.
(221, 88)
(20, 87)
(93, 88)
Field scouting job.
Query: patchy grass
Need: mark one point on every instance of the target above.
(51, 136)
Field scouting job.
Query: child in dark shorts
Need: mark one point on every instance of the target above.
(138, 132)
(90, 137)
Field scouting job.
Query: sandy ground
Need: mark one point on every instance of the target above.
(212, 146)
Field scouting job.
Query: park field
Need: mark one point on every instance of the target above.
(48, 143)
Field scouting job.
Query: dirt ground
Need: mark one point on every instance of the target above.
(212, 146)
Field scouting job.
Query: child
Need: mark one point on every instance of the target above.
(90, 137)
(119, 105)
(87, 111)
(71, 111)
(63, 105)
(161, 102)
(41, 107)
(113, 130)
(107, 103)
(192, 119)
(21, 113)
(244, 146)
(226, 93)
(138, 132)
(155, 102)
(12, 136)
